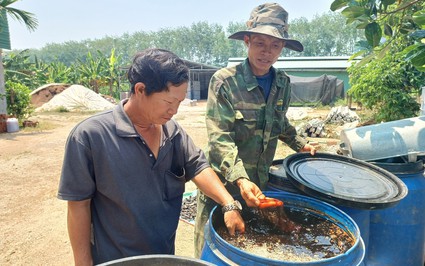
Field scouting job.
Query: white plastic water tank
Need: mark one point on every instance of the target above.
(404, 137)
(12, 125)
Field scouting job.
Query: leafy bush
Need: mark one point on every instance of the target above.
(18, 100)
(62, 109)
(388, 86)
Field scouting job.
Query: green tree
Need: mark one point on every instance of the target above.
(27, 18)
(385, 79)
(324, 35)
(68, 52)
(57, 72)
(113, 74)
(388, 86)
(236, 48)
(22, 16)
(18, 96)
(91, 72)
(385, 20)
(19, 68)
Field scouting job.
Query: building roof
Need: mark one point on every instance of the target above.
(195, 65)
(316, 63)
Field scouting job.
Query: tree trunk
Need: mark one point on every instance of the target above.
(3, 103)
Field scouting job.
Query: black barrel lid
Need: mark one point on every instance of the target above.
(344, 180)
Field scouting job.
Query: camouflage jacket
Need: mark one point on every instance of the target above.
(243, 128)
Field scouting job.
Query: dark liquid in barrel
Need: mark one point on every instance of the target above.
(309, 238)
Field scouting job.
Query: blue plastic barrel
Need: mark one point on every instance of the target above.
(278, 181)
(397, 234)
(217, 251)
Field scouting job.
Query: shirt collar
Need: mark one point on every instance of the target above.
(251, 82)
(125, 127)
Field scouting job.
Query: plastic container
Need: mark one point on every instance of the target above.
(12, 125)
(354, 186)
(279, 181)
(157, 260)
(216, 250)
(404, 137)
(397, 234)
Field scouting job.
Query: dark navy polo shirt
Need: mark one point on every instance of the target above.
(136, 199)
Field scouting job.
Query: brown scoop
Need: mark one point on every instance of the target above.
(269, 202)
(272, 211)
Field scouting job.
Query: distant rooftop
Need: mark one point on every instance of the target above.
(195, 65)
(334, 63)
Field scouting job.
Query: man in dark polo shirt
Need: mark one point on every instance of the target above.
(124, 170)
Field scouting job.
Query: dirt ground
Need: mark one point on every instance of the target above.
(32, 220)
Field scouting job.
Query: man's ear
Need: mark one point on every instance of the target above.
(139, 87)
(246, 40)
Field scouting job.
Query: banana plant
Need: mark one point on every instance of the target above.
(92, 72)
(18, 68)
(114, 73)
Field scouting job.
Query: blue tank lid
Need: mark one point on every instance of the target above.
(344, 181)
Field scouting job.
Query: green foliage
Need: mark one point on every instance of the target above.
(62, 109)
(18, 100)
(100, 64)
(93, 72)
(236, 48)
(384, 21)
(325, 35)
(27, 18)
(340, 102)
(388, 86)
(100, 70)
(18, 67)
(416, 52)
(207, 43)
(388, 78)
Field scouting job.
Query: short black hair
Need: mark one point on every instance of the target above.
(157, 69)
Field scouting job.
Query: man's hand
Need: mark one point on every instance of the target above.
(250, 192)
(310, 148)
(234, 222)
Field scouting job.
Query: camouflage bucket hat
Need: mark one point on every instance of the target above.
(272, 20)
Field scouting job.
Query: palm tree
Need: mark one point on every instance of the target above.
(31, 23)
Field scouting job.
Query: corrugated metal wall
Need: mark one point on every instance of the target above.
(199, 81)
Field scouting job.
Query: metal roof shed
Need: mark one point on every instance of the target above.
(311, 66)
(199, 75)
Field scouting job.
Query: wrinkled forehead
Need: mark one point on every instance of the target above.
(177, 92)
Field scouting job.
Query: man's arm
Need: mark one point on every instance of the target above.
(79, 230)
(220, 120)
(211, 185)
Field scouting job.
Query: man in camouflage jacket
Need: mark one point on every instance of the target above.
(246, 113)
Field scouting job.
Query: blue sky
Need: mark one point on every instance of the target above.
(76, 20)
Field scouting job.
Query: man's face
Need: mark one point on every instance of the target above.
(160, 107)
(263, 52)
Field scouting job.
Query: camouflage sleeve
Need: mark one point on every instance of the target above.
(289, 135)
(291, 138)
(220, 119)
